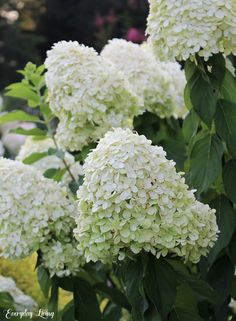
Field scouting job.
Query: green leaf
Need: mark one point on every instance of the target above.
(217, 67)
(176, 150)
(201, 288)
(184, 314)
(68, 313)
(113, 294)
(205, 162)
(66, 283)
(54, 173)
(74, 186)
(232, 249)
(233, 293)
(111, 312)
(17, 115)
(160, 285)
(187, 99)
(203, 97)
(228, 88)
(86, 303)
(229, 179)
(225, 121)
(30, 132)
(34, 158)
(190, 125)
(6, 300)
(185, 308)
(226, 220)
(23, 91)
(221, 276)
(190, 68)
(133, 279)
(57, 152)
(44, 280)
(53, 300)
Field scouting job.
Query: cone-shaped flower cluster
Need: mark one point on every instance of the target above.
(87, 94)
(132, 199)
(153, 81)
(181, 29)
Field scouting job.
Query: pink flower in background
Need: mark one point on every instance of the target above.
(135, 35)
(111, 17)
(99, 20)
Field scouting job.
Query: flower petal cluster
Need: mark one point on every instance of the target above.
(21, 301)
(152, 80)
(87, 94)
(33, 210)
(132, 199)
(181, 29)
(43, 145)
(62, 257)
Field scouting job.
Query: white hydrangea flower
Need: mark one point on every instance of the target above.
(132, 199)
(87, 94)
(33, 210)
(21, 301)
(1, 148)
(153, 81)
(62, 257)
(181, 29)
(43, 145)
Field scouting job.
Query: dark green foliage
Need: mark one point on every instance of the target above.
(205, 161)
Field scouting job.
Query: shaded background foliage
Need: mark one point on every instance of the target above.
(28, 28)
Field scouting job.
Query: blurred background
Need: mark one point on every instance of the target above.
(28, 28)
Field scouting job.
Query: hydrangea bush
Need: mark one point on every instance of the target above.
(146, 230)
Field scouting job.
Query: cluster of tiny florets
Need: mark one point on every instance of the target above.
(132, 199)
(62, 257)
(181, 29)
(32, 146)
(20, 300)
(152, 80)
(87, 94)
(33, 210)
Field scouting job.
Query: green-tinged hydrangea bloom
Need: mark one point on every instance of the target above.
(132, 199)
(43, 145)
(87, 94)
(21, 301)
(62, 257)
(159, 84)
(32, 209)
(181, 29)
(36, 214)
